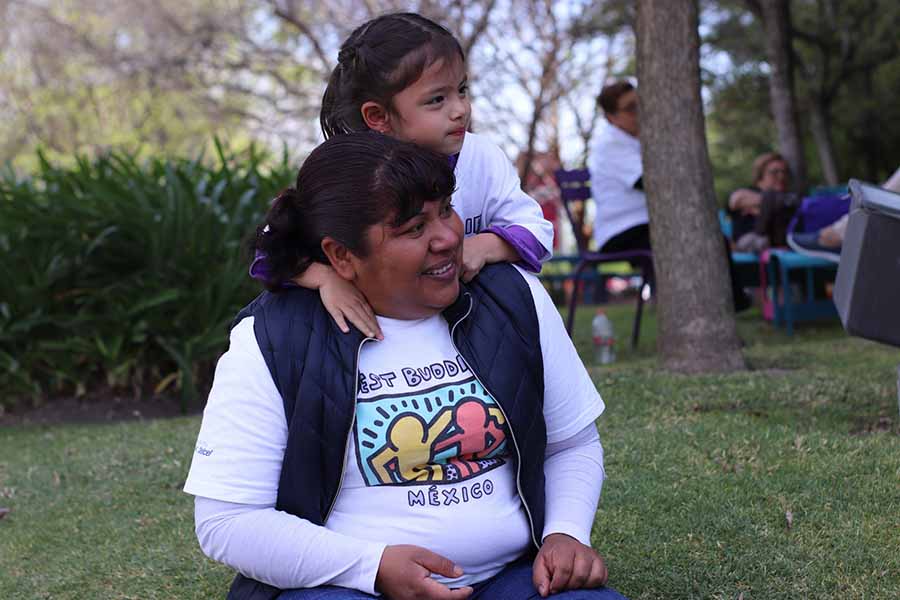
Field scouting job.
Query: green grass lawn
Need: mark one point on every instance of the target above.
(701, 474)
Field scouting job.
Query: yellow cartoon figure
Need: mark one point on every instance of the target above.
(408, 455)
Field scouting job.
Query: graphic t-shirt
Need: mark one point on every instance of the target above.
(430, 455)
(429, 459)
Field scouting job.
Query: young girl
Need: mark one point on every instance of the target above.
(405, 76)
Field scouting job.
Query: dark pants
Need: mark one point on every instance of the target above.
(638, 238)
(512, 583)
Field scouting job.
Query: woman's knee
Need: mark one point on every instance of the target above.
(603, 593)
(328, 592)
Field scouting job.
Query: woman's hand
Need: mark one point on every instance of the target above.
(746, 201)
(405, 574)
(564, 563)
(483, 249)
(341, 299)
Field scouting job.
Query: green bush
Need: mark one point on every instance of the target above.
(126, 273)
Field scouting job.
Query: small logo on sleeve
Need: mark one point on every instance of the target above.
(203, 449)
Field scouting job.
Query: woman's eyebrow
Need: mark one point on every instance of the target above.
(401, 224)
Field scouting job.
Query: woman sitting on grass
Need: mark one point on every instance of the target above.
(457, 458)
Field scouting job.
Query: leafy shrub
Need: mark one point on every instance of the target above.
(126, 273)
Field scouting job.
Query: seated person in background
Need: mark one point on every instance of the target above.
(456, 458)
(617, 181)
(617, 185)
(827, 242)
(760, 214)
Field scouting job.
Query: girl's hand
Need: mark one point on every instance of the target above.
(483, 249)
(564, 563)
(405, 574)
(341, 299)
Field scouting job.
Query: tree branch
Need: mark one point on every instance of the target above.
(302, 27)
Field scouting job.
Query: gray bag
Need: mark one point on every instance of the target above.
(867, 289)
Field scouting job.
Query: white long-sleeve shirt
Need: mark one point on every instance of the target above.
(615, 166)
(416, 395)
(289, 552)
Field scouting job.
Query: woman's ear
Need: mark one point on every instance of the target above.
(376, 117)
(340, 257)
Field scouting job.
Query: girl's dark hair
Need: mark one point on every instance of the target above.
(345, 186)
(379, 59)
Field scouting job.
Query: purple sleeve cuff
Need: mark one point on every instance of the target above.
(259, 268)
(523, 241)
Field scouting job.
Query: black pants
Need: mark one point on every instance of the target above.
(638, 238)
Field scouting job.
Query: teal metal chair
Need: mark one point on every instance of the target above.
(780, 306)
(743, 261)
(575, 186)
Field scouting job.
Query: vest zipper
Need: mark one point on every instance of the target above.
(508, 423)
(350, 431)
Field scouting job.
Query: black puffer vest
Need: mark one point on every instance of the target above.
(495, 328)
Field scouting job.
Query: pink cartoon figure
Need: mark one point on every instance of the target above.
(478, 431)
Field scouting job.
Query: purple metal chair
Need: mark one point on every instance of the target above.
(575, 186)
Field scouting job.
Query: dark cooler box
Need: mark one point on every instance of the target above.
(867, 290)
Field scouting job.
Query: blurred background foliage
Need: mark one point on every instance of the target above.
(164, 77)
(847, 74)
(122, 261)
(123, 273)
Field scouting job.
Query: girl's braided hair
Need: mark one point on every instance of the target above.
(379, 59)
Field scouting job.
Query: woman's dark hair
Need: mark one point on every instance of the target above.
(379, 59)
(610, 94)
(345, 186)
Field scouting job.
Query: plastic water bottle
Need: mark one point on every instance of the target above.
(604, 339)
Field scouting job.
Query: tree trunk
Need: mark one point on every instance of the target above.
(776, 19)
(820, 128)
(696, 317)
(874, 146)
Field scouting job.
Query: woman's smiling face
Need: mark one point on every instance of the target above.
(412, 270)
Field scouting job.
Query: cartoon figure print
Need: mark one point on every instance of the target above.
(445, 434)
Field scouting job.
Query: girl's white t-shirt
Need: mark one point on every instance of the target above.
(489, 193)
(429, 459)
